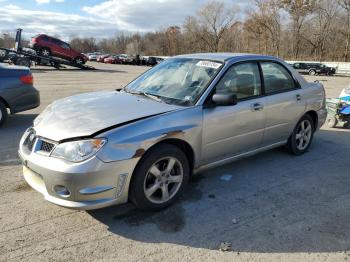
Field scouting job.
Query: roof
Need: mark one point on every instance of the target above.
(223, 57)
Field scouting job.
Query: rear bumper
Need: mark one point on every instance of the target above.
(321, 116)
(26, 99)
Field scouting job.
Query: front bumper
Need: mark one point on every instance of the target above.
(87, 185)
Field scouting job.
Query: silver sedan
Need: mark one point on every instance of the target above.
(143, 142)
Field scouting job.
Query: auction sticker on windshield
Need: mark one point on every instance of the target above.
(209, 64)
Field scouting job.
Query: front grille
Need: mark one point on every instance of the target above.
(46, 146)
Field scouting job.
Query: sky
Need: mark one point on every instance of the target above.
(95, 18)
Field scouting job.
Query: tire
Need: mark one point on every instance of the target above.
(312, 72)
(301, 138)
(79, 60)
(3, 113)
(23, 61)
(331, 121)
(45, 51)
(148, 188)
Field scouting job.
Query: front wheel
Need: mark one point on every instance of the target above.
(312, 72)
(301, 138)
(159, 178)
(79, 61)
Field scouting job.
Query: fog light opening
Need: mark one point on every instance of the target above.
(61, 191)
(121, 183)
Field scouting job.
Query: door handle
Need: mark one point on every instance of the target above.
(257, 107)
(298, 96)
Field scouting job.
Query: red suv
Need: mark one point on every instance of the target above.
(49, 46)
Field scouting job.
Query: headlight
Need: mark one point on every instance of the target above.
(78, 151)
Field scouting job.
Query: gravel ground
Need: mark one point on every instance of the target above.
(272, 207)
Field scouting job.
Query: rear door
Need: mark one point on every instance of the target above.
(284, 103)
(236, 129)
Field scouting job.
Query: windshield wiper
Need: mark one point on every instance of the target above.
(151, 96)
(154, 97)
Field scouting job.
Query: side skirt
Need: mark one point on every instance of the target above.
(237, 157)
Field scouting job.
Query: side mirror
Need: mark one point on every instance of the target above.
(224, 99)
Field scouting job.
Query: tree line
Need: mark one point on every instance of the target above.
(291, 29)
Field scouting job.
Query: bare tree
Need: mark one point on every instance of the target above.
(265, 22)
(291, 29)
(298, 10)
(211, 23)
(321, 27)
(84, 44)
(345, 4)
(7, 40)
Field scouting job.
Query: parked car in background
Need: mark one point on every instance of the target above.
(101, 58)
(114, 59)
(94, 56)
(152, 60)
(189, 113)
(313, 69)
(50, 46)
(17, 93)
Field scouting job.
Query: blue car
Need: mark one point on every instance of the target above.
(17, 92)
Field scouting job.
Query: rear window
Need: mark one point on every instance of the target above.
(276, 78)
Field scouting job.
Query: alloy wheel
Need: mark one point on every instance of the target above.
(163, 180)
(45, 52)
(303, 135)
(79, 61)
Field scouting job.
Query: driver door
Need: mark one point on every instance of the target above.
(236, 129)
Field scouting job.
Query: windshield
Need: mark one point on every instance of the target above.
(177, 80)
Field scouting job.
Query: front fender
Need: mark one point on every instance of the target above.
(133, 140)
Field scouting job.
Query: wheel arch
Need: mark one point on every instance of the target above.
(314, 116)
(184, 146)
(5, 102)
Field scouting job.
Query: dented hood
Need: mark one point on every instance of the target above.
(85, 114)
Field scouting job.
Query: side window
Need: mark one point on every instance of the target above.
(242, 80)
(64, 45)
(276, 78)
(56, 41)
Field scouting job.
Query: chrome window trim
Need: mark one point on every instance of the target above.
(227, 65)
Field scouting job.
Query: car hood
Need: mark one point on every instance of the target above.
(84, 115)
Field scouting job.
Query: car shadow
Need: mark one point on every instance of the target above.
(10, 135)
(271, 202)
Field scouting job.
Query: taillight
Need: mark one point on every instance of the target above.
(27, 79)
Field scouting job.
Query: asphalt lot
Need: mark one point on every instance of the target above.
(273, 207)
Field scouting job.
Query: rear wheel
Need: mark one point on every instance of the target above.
(45, 51)
(3, 113)
(301, 138)
(159, 178)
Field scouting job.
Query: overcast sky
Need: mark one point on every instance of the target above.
(96, 18)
